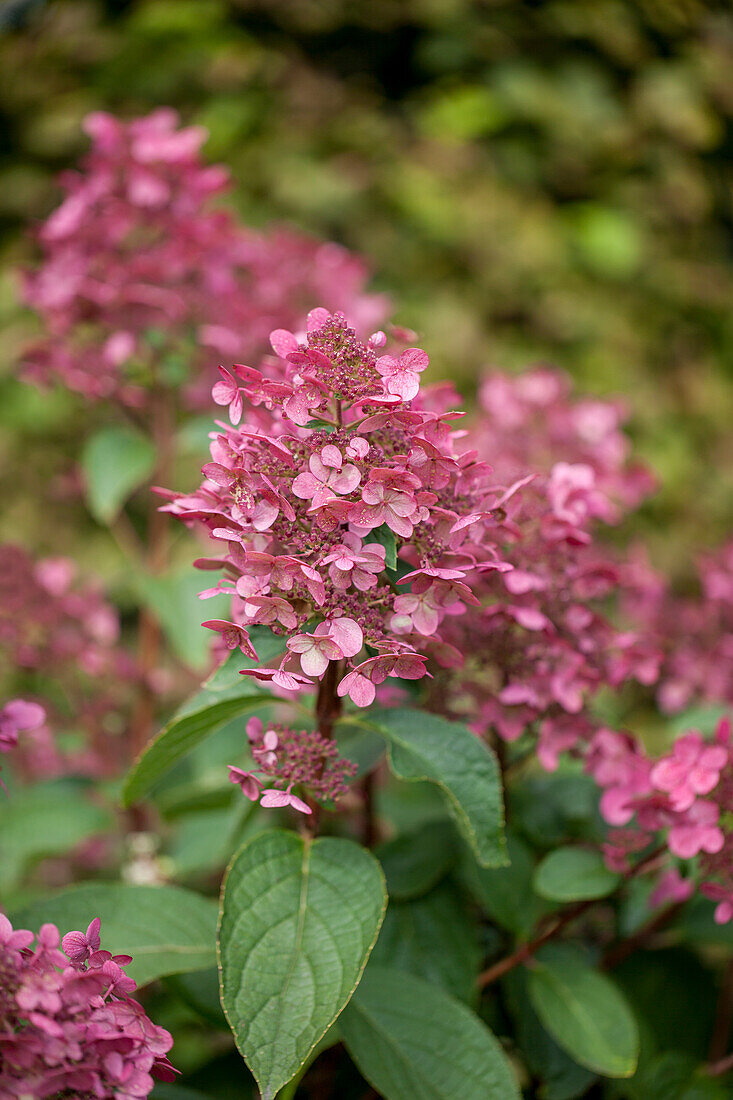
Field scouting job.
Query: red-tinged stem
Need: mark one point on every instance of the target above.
(328, 709)
(527, 950)
(369, 835)
(556, 925)
(616, 954)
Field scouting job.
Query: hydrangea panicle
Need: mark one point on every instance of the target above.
(144, 284)
(335, 457)
(70, 1027)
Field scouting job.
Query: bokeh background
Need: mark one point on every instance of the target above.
(529, 181)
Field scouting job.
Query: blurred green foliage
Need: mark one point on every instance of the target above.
(532, 181)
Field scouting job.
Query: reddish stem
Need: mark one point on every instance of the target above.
(527, 950)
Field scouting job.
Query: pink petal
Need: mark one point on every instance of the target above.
(348, 635)
(283, 342)
(316, 319)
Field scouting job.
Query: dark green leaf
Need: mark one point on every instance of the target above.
(415, 861)
(115, 461)
(224, 696)
(424, 746)
(574, 874)
(298, 921)
(166, 929)
(583, 1011)
(506, 893)
(561, 1077)
(413, 1041)
(433, 937)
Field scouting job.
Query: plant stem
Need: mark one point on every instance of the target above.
(527, 950)
(369, 825)
(503, 966)
(328, 708)
(616, 954)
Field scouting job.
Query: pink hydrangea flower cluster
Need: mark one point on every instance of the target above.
(540, 644)
(686, 795)
(348, 516)
(303, 758)
(532, 421)
(143, 285)
(18, 716)
(68, 1026)
(694, 633)
(54, 625)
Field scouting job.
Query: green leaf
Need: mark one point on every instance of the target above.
(224, 696)
(384, 536)
(584, 1011)
(415, 861)
(574, 874)
(166, 929)
(199, 989)
(561, 1077)
(506, 893)
(424, 746)
(412, 1041)
(45, 820)
(115, 461)
(434, 937)
(174, 601)
(298, 922)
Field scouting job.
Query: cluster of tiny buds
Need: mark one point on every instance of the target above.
(292, 758)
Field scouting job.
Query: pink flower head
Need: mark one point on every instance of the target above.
(227, 392)
(248, 783)
(573, 494)
(79, 946)
(353, 563)
(402, 376)
(693, 768)
(233, 636)
(671, 888)
(13, 940)
(325, 479)
(16, 717)
(274, 799)
(697, 831)
(724, 897)
(380, 504)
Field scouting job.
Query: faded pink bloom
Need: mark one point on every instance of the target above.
(79, 946)
(692, 768)
(248, 783)
(697, 831)
(323, 479)
(273, 799)
(69, 1026)
(16, 717)
(671, 888)
(402, 376)
(233, 636)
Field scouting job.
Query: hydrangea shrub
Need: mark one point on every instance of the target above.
(462, 768)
